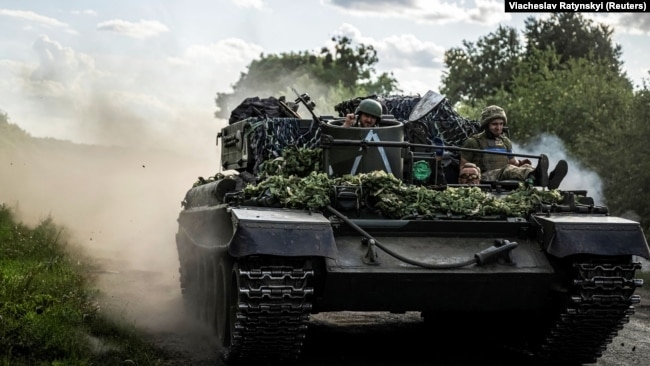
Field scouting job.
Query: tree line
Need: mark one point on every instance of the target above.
(561, 76)
(564, 77)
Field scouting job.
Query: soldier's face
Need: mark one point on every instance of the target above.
(496, 127)
(469, 176)
(367, 120)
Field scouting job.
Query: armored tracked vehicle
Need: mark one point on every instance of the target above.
(349, 223)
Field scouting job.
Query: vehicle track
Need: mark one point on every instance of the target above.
(346, 338)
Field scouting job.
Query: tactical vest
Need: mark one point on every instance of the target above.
(492, 161)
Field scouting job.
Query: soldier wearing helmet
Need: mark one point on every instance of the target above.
(367, 114)
(506, 166)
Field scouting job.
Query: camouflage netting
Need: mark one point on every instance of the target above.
(279, 146)
(397, 105)
(442, 121)
(397, 200)
(263, 107)
(445, 122)
(272, 131)
(271, 136)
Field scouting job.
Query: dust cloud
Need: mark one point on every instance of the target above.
(578, 176)
(118, 207)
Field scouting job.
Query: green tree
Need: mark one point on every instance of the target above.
(267, 76)
(630, 170)
(581, 102)
(480, 70)
(344, 71)
(572, 36)
(569, 83)
(595, 111)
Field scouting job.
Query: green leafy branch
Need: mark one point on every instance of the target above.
(396, 199)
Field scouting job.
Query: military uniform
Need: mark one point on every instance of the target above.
(493, 166)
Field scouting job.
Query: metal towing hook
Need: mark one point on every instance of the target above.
(501, 248)
(371, 257)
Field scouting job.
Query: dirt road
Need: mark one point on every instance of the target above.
(348, 338)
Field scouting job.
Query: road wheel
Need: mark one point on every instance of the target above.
(202, 286)
(221, 324)
(188, 271)
(211, 290)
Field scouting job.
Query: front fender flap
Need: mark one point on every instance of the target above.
(564, 235)
(282, 232)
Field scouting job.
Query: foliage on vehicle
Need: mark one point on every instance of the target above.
(296, 161)
(396, 199)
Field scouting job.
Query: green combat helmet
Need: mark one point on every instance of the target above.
(493, 112)
(370, 107)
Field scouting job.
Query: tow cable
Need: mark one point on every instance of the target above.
(488, 255)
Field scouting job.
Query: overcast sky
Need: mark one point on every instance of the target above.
(146, 72)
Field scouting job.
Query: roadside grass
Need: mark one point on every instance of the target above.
(48, 315)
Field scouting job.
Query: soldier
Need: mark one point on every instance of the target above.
(367, 114)
(469, 174)
(503, 167)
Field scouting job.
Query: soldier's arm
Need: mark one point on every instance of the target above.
(349, 120)
(467, 156)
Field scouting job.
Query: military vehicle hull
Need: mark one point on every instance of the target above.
(562, 278)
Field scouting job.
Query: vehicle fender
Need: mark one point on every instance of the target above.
(209, 194)
(282, 232)
(564, 235)
(208, 227)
